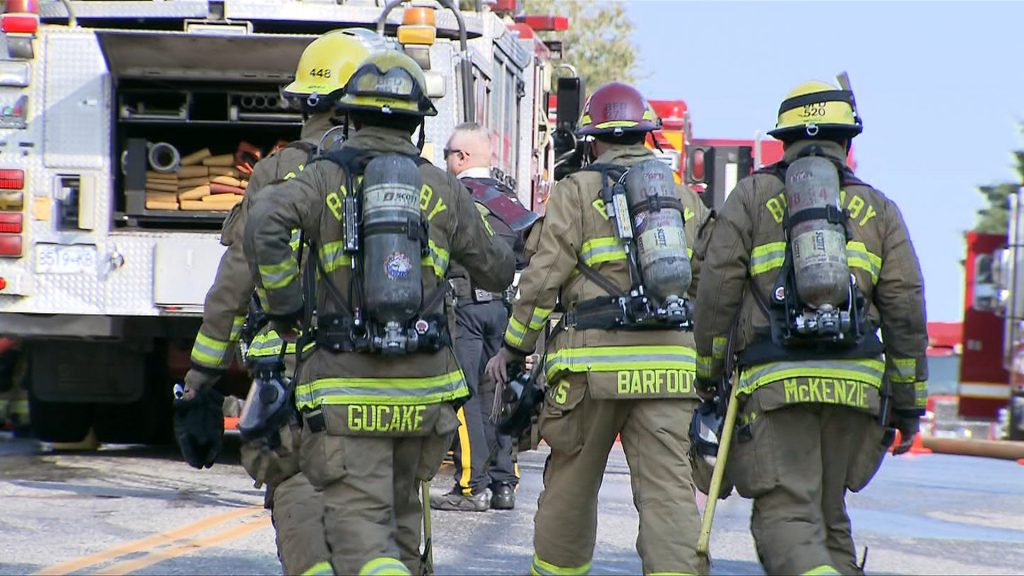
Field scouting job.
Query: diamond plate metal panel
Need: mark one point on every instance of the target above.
(348, 12)
(527, 128)
(76, 102)
(128, 289)
(440, 127)
(127, 9)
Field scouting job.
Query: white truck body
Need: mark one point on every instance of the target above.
(98, 270)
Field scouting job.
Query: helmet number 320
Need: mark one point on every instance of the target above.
(815, 109)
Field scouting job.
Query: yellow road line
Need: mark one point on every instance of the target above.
(148, 542)
(187, 547)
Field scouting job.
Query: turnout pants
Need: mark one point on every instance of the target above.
(581, 432)
(797, 463)
(370, 486)
(482, 456)
(296, 508)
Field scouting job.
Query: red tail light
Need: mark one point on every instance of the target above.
(545, 23)
(10, 222)
(698, 165)
(12, 179)
(10, 245)
(20, 23)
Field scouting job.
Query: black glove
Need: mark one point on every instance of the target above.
(707, 388)
(908, 423)
(199, 427)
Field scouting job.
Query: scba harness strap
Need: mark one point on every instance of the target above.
(256, 318)
(783, 341)
(349, 331)
(622, 310)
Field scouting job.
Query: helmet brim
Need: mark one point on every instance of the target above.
(642, 126)
(352, 107)
(823, 131)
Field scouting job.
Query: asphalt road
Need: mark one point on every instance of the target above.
(137, 510)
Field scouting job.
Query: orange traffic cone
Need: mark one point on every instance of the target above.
(916, 448)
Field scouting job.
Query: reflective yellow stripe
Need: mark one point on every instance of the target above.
(209, 352)
(703, 366)
(770, 256)
(718, 346)
(436, 259)
(466, 453)
(858, 256)
(821, 571)
(269, 344)
(333, 257)
(598, 250)
(236, 328)
(515, 333)
(484, 212)
(540, 316)
(866, 371)
(920, 394)
(279, 275)
(319, 569)
(615, 358)
(383, 566)
(19, 408)
(385, 391)
(767, 257)
(542, 568)
(905, 370)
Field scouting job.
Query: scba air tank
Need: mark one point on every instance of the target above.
(392, 273)
(658, 229)
(818, 244)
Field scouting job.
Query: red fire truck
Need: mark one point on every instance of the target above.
(992, 369)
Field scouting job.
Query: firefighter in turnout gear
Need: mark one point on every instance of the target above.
(812, 262)
(297, 509)
(485, 474)
(617, 364)
(378, 393)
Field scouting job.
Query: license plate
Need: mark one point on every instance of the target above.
(58, 259)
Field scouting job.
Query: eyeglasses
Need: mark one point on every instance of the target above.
(448, 152)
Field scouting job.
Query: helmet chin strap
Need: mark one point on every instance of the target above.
(423, 135)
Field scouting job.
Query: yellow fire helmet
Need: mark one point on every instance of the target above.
(328, 62)
(389, 82)
(817, 107)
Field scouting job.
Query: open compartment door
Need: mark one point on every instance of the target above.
(191, 56)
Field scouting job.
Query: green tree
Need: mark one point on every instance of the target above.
(994, 218)
(598, 42)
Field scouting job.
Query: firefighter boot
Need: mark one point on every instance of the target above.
(459, 502)
(503, 497)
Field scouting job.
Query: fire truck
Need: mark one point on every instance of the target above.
(710, 166)
(984, 381)
(992, 367)
(100, 101)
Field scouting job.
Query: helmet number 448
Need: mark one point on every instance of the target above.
(320, 72)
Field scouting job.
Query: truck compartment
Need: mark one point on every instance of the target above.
(186, 150)
(191, 114)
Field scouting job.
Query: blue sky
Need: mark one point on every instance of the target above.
(939, 85)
